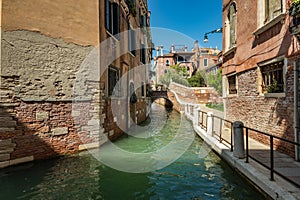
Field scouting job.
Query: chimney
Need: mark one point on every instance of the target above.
(162, 50)
(173, 48)
(157, 51)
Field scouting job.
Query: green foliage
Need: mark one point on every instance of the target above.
(215, 81)
(173, 75)
(180, 70)
(197, 80)
(294, 8)
(273, 88)
(216, 106)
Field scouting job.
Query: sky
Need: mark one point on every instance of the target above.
(182, 22)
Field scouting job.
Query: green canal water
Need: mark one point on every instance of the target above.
(197, 174)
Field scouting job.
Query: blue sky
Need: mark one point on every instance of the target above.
(183, 22)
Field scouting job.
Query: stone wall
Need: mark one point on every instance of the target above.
(197, 95)
(268, 114)
(42, 114)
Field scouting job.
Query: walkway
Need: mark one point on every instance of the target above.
(278, 189)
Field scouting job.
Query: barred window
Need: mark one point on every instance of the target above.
(272, 76)
(232, 84)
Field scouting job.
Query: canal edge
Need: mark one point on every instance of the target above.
(273, 189)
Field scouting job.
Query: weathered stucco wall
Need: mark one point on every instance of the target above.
(38, 67)
(73, 20)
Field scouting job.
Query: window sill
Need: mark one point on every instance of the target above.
(231, 96)
(131, 54)
(112, 36)
(269, 24)
(229, 51)
(274, 95)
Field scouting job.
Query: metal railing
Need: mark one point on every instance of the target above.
(218, 125)
(202, 119)
(271, 165)
(221, 136)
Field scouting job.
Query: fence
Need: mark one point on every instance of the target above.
(222, 130)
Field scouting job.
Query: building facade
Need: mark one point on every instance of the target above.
(56, 82)
(195, 60)
(259, 57)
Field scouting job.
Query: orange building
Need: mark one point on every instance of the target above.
(61, 69)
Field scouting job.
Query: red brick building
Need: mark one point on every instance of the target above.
(259, 57)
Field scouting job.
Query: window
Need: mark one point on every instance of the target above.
(143, 21)
(231, 27)
(167, 63)
(131, 40)
(112, 17)
(143, 89)
(113, 78)
(273, 8)
(232, 84)
(205, 62)
(180, 59)
(143, 54)
(272, 77)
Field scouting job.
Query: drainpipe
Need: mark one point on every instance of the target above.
(296, 110)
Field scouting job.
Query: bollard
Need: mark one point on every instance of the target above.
(196, 116)
(210, 123)
(238, 144)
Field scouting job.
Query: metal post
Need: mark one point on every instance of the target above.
(231, 139)
(296, 110)
(247, 146)
(220, 131)
(272, 158)
(213, 122)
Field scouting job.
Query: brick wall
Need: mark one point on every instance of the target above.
(267, 114)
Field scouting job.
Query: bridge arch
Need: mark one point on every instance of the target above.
(163, 98)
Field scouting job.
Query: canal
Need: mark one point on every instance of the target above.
(198, 173)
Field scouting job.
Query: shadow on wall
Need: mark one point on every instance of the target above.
(19, 139)
(39, 130)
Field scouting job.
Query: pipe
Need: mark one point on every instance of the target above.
(296, 110)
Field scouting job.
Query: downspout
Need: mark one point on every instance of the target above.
(296, 110)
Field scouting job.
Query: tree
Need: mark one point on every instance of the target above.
(197, 80)
(215, 80)
(177, 74)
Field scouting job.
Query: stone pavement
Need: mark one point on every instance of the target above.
(255, 172)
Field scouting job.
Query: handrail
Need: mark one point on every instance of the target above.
(271, 166)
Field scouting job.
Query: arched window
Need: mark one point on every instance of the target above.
(231, 27)
(168, 63)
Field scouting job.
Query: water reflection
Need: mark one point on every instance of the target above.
(81, 176)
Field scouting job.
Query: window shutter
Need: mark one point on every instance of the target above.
(116, 19)
(133, 42)
(107, 15)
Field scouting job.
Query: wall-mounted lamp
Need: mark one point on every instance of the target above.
(219, 30)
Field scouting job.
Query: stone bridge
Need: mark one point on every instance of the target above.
(161, 95)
